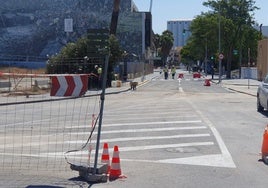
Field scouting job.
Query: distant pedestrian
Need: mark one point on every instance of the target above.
(95, 77)
(165, 70)
(212, 72)
(99, 71)
(173, 71)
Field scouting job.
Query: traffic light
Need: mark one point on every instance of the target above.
(184, 31)
(235, 52)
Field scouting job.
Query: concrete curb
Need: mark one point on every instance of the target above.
(243, 92)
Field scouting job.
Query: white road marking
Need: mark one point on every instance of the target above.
(163, 146)
(142, 123)
(154, 123)
(31, 144)
(224, 159)
(121, 149)
(216, 160)
(225, 155)
(142, 138)
(146, 130)
(134, 148)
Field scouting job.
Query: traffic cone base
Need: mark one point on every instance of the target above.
(196, 75)
(264, 149)
(105, 158)
(115, 171)
(207, 82)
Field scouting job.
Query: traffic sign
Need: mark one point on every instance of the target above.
(71, 85)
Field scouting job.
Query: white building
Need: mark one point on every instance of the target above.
(265, 31)
(181, 31)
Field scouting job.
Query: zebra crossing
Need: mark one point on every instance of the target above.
(182, 136)
(169, 129)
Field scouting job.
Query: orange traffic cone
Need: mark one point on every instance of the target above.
(207, 82)
(115, 171)
(105, 157)
(264, 149)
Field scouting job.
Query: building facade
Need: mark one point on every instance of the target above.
(181, 31)
(41, 28)
(262, 59)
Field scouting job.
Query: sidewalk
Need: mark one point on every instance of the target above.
(246, 86)
(21, 97)
(126, 85)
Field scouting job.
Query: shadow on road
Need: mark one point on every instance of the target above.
(265, 113)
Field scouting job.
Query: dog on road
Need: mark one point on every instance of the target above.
(133, 85)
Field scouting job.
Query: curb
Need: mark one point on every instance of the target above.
(243, 92)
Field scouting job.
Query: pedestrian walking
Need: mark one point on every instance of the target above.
(173, 71)
(212, 72)
(165, 70)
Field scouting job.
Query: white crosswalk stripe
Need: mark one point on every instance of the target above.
(146, 132)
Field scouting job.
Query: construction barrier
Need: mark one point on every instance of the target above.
(180, 75)
(196, 75)
(207, 82)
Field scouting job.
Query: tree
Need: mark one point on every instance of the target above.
(166, 43)
(239, 14)
(227, 29)
(73, 57)
(156, 42)
(116, 54)
(203, 41)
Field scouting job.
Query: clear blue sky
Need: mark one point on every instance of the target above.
(165, 10)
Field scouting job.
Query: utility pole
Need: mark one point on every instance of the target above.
(151, 4)
(248, 66)
(220, 60)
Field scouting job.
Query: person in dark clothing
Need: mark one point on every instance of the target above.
(95, 77)
(212, 72)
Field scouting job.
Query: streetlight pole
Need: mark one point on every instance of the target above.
(220, 60)
(248, 66)
(151, 4)
(206, 57)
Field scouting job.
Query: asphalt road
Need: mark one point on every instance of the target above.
(172, 133)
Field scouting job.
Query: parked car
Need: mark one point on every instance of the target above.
(262, 95)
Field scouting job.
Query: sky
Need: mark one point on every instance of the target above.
(166, 10)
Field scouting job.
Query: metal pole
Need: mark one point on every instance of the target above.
(206, 57)
(101, 112)
(220, 43)
(248, 65)
(151, 4)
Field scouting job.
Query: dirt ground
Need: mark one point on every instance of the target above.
(21, 70)
(22, 84)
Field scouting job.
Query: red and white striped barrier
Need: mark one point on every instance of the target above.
(70, 85)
